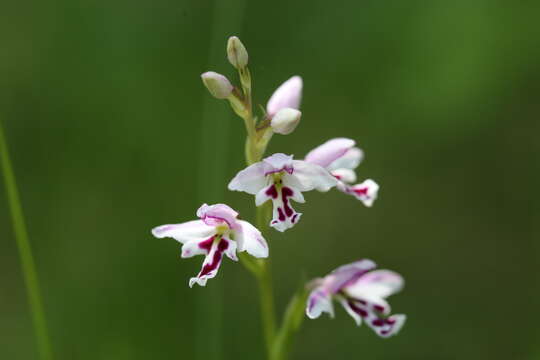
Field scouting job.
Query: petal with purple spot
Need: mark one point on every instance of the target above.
(366, 191)
(212, 261)
(218, 214)
(278, 162)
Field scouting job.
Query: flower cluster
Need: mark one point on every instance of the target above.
(281, 179)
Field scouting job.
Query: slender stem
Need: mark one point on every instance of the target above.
(266, 293)
(292, 320)
(25, 252)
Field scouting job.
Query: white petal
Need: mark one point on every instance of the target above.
(318, 302)
(284, 216)
(308, 176)
(350, 160)
(250, 180)
(376, 284)
(188, 231)
(366, 192)
(345, 175)
(399, 321)
(278, 162)
(287, 95)
(330, 151)
(250, 239)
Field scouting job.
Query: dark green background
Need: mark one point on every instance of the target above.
(112, 133)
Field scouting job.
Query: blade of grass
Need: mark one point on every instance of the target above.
(25, 252)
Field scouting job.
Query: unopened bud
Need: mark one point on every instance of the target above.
(237, 53)
(285, 121)
(219, 86)
(288, 95)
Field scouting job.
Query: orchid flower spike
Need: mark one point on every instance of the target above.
(340, 157)
(287, 95)
(217, 232)
(280, 178)
(362, 291)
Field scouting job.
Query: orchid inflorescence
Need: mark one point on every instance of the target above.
(281, 179)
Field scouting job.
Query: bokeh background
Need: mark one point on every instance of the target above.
(111, 133)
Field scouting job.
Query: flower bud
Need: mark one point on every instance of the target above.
(288, 95)
(237, 53)
(219, 86)
(285, 121)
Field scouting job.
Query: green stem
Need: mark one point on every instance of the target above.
(292, 320)
(25, 252)
(266, 293)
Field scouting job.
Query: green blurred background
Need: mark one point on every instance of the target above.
(111, 133)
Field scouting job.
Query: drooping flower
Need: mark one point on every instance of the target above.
(362, 291)
(280, 178)
(340, 157)
(217, 232)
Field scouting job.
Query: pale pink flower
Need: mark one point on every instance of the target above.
(281, 179)
(217, 232)
(362, 291)
(340, 157)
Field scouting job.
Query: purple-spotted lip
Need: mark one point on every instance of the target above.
(288, 169)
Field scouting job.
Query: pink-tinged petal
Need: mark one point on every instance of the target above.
(375, 284)
(218, 214)
(318, 302)
(307, 176)
(330, 151)
(278, 162)
(344, 175)
(284, 216)
(350, 160)
(287, 95)
(250, 239)
(366, 191)
(185, 232)
(211, 262)
(251, 180)
(343, 275)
